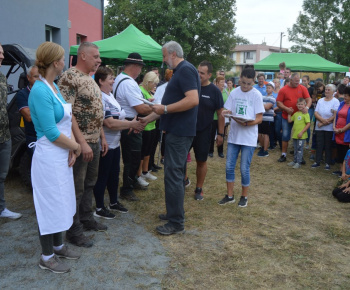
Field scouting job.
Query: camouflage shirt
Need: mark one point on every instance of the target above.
(4, 119)
(83, 93)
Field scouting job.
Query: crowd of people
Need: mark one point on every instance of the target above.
(78, 129)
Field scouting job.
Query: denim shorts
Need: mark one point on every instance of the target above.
(286, 130)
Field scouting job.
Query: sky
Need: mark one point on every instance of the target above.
(264, 20)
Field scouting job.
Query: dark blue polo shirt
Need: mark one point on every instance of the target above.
(185, 78)
(22, 102)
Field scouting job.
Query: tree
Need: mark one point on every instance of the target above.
(322, 28)
(204, 28)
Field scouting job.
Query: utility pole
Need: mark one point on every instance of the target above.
(281, 42)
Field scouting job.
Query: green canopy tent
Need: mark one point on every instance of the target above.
(115, 49)
(299, 62)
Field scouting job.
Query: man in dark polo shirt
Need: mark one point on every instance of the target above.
(178, 118)
(22, 105)
(210, 100)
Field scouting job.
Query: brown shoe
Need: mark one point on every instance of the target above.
(67, 253)
(54, 264)
(94, 226)
(80, 241)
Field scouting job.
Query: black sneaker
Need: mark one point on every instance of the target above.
(282, 159)
(94, 226)
(80, 241)
(198, 194)
(221, 155)
(118, 207)
(162, 161)
(210, 154)
(129, 196)
(339, 173)
(157, 167)
(226, 200)
(163, 217)
(169, 229)
(187, 182)
(243, 202)
(104, 213)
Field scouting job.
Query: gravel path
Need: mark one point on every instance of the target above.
(124, 257)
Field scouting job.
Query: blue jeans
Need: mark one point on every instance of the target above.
(231, 160)
(298, 145)
(278, 128)
(5, 154)
(311, 113)
(286, 130)
(175, 158)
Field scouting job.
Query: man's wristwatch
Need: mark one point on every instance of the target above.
(165, 110)
(222, 135)
(307, 107)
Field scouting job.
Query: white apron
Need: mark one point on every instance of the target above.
(52, 179)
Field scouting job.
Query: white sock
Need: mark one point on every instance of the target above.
(98, 209)
(284, 154)
(46, 258)
(58, 248)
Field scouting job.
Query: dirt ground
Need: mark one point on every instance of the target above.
(125, 257)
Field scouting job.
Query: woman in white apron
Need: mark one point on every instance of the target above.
(54, 155)
(109, 166)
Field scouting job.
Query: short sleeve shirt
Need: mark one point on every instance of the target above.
(127, 94)
(22, 102)
(262, 89)
(289, 97)
(112, 110)
(244, 105)
(210, 100)
(4, 120)
(300, 120)
(80, 89)
(185, 78)
(326, 110)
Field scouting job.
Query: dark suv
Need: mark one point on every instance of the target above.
(17, 60)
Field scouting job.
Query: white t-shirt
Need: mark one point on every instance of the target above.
(126, 93)
(244, 105)
(112, 109)
(326, 110)
(158, 95)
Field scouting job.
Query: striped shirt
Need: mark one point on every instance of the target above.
(268, 115)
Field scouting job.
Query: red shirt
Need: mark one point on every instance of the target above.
(289, 97)
(341, 122)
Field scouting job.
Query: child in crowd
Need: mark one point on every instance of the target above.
(282, 67)
(342, 192)
(300, 126)
(264, 128)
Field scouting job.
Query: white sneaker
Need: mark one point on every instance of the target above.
(141, 181)
(9, 214)
(296, 166)
(149, 176)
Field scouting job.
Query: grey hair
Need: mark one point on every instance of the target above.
(30, 69)
(85, 45)
(295, 74)
(332, 87)
(172, 46)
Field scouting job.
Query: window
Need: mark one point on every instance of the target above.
(80, 38)
(52, 34)
(249, 55)
(48, 33)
